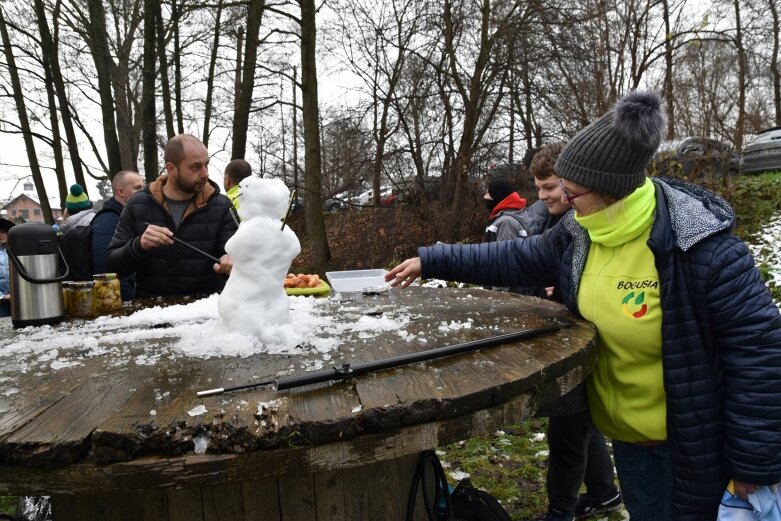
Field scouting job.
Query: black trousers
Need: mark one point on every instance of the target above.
(578, 454)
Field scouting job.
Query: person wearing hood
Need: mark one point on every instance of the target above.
(504, 206)
(183, 203)
(687, 378)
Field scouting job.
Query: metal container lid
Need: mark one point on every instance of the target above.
(32, 239)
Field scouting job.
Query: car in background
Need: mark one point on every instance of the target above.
(763, 154)
(386, 196)
(695, 157)
(341, 201)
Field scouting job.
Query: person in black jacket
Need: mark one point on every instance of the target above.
(181, 203)
(578, 452)
(688, 376)
(123, 185)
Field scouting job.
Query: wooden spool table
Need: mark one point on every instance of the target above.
(110, 439)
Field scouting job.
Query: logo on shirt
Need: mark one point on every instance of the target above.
(633, 305)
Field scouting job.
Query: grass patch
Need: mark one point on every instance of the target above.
(8, 504)
(756, 199)
(511, 465)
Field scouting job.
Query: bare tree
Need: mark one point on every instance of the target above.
(320, 254)
(24, 122)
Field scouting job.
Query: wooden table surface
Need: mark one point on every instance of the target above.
(90, 426)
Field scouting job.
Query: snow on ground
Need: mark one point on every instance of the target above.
(766, 248)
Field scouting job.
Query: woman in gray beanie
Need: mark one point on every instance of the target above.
(689, 369)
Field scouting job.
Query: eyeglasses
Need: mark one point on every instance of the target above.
(568, 196)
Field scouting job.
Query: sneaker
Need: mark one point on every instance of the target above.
(554, 515)
(588, 506)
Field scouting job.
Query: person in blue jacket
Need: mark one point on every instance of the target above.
(5, 275)
(123, 185)
(688, 376)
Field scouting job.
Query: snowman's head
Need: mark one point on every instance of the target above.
(263, 198)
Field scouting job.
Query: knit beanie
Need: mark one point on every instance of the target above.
(500, 188)
(610, 155)
(77, 199)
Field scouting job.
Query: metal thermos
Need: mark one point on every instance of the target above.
(36, 287)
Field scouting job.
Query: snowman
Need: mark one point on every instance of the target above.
(254, 297)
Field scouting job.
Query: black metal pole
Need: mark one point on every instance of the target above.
(346, 371)
(194, 248)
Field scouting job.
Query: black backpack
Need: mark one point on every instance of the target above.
(76, 247)
(464, 503)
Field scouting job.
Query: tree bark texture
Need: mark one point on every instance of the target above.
(102, 59)
(244, 100)
(320, 255)
(148, 112)
(207, 110)
(50, 53)
(165, 84)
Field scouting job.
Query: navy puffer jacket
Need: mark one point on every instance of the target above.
(172, 270)
(721, 334)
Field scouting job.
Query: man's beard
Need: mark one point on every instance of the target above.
(194, 188)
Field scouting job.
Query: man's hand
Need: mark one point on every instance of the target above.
(155, 236)
(405, 273)
(225, 266)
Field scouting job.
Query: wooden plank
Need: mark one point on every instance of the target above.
(330, 495)
(297, 497)
(223, 502)
(260, 500)
(184, 504)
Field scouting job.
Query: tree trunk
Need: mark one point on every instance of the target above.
(24, 122)
(148, 112)
(295, 129)
(207, 111)
(668, 71)
(175, 15)
(164, 82)
(740, 124)
(243, 102)
(315, 224)
(774, 72)
(102, 59)
(50, 52)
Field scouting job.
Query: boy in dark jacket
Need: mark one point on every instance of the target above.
(578, 452)
(184, 203)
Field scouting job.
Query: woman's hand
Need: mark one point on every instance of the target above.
(405, 273)
(744, 489)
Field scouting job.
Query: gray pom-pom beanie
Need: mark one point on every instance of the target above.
(610, 155)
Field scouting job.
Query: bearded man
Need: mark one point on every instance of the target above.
(182, 203)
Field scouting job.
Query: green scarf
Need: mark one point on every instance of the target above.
(623, 220)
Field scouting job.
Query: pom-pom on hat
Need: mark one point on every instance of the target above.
(76, 199)
(500, 188)
(610, 155)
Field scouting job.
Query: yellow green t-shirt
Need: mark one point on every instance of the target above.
(619, 292)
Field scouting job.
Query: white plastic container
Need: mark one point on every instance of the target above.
(357, 280)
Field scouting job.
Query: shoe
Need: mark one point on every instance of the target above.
(588, 506)
(554, 515)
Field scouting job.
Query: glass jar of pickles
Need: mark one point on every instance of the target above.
(67, 291)
(106, 293)
(80, 299)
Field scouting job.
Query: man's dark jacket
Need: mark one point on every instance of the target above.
(175, 269)
(721, 334)
(103, 226)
